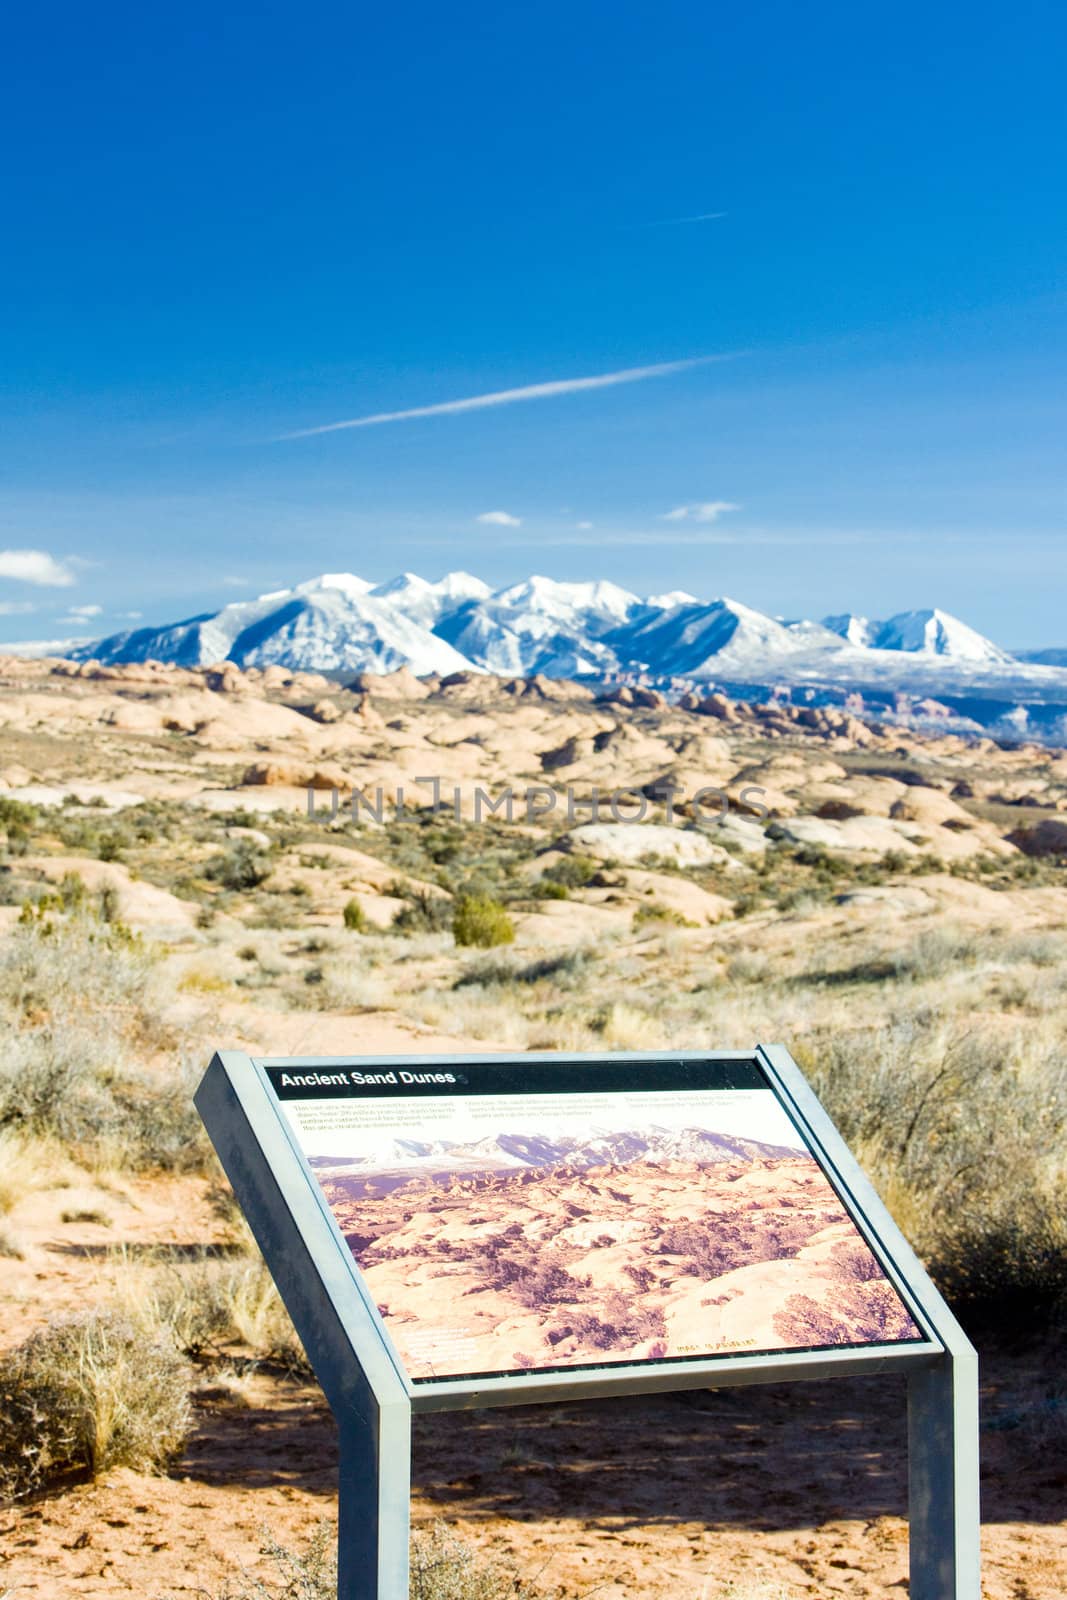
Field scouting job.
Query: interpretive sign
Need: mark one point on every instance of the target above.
(497, 1230)
(587, 1214)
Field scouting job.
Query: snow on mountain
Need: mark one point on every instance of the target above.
(704, 641)
(935, 632)
(932, 633)
(501, 1153)
(540, 625)
(673, 598)
(346, 582)
(338, 622)
(855, 630)
(427, 603)
(328, 624)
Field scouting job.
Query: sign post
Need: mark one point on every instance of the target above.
(469, 1231)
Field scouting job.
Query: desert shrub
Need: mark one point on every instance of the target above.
(345, 986)
(73, 1081)
(209, 1305)
(547, 889)
(443, 1567)
(750, 966)
(423, 913)
(565, 969)
(961, 1132)
(354, 917)
(652, 911)
(535, 1277)
(618, 1322)
(572, 871)
(58, 963)
(87, 1393)
(242, 868)
(479, 920)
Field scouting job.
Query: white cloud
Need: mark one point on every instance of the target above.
(584, 526)
(702, 511)
(235, 583)
(499, 519)
(16, 608)
(129, 616)
(509, 397)
(86, 611)
(35, 566)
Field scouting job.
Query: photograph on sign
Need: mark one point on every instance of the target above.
(509, 1221)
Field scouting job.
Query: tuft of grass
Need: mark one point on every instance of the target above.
(480, 920)
(653, 911)
(212, 1304)
(87, 1393)
(10, 1245)
(354, 917)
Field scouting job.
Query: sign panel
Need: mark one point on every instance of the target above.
(576, 1215)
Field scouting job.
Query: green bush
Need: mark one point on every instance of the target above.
(480, 921)
(355, 918)
(87, 1393)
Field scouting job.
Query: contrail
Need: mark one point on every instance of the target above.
(676, 222)
(510, 397)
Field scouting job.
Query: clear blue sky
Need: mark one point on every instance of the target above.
(225, 224)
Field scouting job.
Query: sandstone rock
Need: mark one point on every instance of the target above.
(931, 807)
(399, 685)
(325, 711)
(630, 841)
(717, 705)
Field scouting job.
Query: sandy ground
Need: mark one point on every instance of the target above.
(800, 1487)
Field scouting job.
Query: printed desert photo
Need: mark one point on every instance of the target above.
(526, 1252)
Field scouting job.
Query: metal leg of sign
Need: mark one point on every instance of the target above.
(943, 1479)
(374, 1510)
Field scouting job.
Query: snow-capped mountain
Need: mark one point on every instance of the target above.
(524, 1152)
(931, 632)
(329, 624)
(542, 626)
(430, 603)
(339, 623)
(704, 640)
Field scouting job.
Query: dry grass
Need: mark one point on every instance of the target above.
(80, 1009)
(87, 1393)
(443, 1567)
(209, 1308)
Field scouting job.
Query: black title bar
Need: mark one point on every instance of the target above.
(349, 1080)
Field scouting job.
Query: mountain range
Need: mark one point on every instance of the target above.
(341, 624)
(400, 1160)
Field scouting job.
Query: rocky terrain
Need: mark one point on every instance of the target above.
(651, 1260)
(891, 905)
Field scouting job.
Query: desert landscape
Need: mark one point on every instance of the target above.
(585, 1265)
(898, 917)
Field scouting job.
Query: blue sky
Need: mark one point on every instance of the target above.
(226, 225)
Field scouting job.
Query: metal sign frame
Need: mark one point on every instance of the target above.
(373, 1399)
